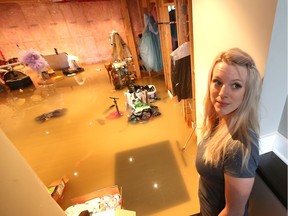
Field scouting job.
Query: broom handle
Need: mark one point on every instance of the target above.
(185, 145)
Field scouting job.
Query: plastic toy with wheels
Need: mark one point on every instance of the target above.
(143, 112)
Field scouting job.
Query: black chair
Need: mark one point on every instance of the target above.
(17, 80)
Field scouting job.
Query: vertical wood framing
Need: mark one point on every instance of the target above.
(182, 21)
(130, 36)
(185, 33)
(144, 3)
(193, 102)
(140, 8)
(165, 41)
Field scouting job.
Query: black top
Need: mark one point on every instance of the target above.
(181, 78)
(211, 183)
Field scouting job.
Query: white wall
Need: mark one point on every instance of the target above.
(275, 81)
(22, 193)
(223, 24)
(275, 85)
(282, 129)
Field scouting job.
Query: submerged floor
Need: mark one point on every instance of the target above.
(94, 151)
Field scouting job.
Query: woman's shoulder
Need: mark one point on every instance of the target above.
(235, 155)
(246, 138)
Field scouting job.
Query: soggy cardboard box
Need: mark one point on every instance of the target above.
(113, 190)
(56, 188)
(116, 212)
(106, 201)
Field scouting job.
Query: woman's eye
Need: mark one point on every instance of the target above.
(236, 86)
(217, 82)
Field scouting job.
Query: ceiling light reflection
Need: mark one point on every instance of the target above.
(131, 159)
(155, 185)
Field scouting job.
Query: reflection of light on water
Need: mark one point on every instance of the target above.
(19, 101)
(36, 98)
(80, 79)
(155, 185)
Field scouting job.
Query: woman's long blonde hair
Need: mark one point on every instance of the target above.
(242, 121)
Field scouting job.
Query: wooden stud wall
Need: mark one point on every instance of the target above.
(83, 29)
(192, 102)
(182, 21)
(165, 41)
(130, 35)
(78, 28)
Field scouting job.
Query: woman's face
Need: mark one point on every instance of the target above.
(227, 87)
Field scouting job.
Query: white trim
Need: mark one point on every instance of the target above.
(266, 143)
(275, 142)
(280, 147)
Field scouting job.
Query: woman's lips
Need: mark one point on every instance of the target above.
(222, 104)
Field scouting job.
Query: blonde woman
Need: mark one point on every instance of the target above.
(228, 155)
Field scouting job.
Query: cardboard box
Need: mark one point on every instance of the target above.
(116, 212)
(113, 190)
(106, 201)
(56, 188)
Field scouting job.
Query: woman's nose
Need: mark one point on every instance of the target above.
(223, 91)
